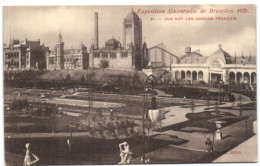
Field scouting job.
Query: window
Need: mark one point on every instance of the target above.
(128, 25)
(113, 55)
(104, 55)
(124, 55)
(51, 60)
(97, 55)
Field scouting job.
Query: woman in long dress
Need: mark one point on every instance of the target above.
(27, 159)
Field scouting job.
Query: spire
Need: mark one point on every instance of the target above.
(60, 38)
(92, 44)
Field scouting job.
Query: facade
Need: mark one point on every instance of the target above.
(25, 55)
(218, 68)
(76, 58)
(61, 58)
(111, 56)
(130, 56)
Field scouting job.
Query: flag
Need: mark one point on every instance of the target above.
(243, 59)
(235, 58)
(249, 59)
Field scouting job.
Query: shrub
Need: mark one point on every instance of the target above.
(19, 105)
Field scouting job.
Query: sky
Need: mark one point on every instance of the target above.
(76, 24)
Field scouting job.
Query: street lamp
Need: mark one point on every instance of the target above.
(69, 140)
(208, 99)
(153, 115)
(9, 141)
(220, 86)
(53, 124)
(240, 109)
(246, 121)
(216, 108)
(59, 109)
(144, 112)
(111, 113)
(70, 126)
(192, 106)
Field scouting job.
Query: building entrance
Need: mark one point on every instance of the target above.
(104, 64)
(215, 78)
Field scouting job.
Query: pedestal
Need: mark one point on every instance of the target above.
(255, 127)
(218, 135)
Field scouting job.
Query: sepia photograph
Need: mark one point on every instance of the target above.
(129, 84)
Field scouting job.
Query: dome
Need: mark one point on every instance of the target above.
(112, 43)
(132, 16)
(221, 54)
(192, 58)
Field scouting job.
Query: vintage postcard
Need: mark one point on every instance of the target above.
(148, 84)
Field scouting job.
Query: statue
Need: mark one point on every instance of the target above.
(125, 153)
(28, 154)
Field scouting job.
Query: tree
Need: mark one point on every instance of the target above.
(119, 80)
(82, 79)
(192, 106)
(136, 79)
(19, 105)
(91, 77)
(68, 77)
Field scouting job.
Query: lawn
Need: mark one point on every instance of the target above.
(27, 124)
(85, 150)
(203, 122)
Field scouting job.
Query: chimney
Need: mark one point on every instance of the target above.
(188, 50)
(96, 30)
(220, 47)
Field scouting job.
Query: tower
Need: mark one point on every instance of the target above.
(96, 30)
(60, 53)
(132, 37)
(145, 55)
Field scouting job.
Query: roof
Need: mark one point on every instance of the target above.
(193, 58)
(220, 53)
(157, 46)
(190, 54)
(72, 51)
(247, 60)
(112, 41)
(111, 44)
(132, 16)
